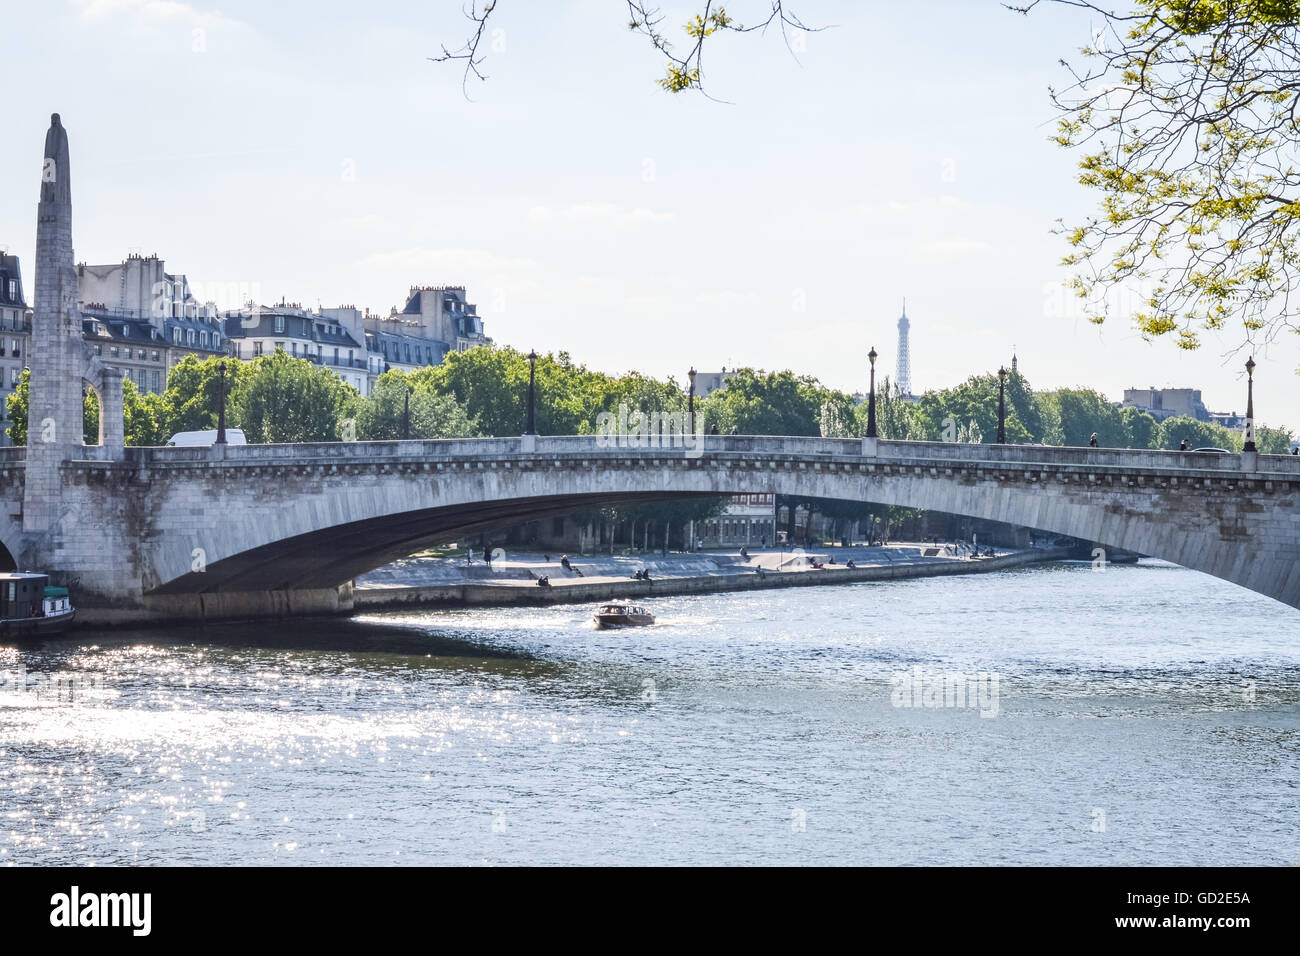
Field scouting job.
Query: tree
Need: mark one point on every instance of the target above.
(1198, 434)
(192, 397)
(381, 416)
(755, 402)
(1186, 110)
(143, 416)
(684, 72)
(283, 399)
(1273, 441)
(1082, 412)
(971, 409)
(1143, 430)
(17, 409)
(894, 417)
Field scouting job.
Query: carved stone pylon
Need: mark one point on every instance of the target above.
(59, 359)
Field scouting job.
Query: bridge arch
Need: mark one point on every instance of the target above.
(311, 525)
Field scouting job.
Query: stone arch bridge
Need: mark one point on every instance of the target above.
(237, 531)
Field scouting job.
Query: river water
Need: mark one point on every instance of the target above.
(1142, 715)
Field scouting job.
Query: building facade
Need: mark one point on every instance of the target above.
(749, 521)
(140, 318)
(1162, 403)
(15, 334)
(359, 346)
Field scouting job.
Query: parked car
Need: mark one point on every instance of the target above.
(234, 436)
(1222, 451)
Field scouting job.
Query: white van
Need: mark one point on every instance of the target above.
(234, 436)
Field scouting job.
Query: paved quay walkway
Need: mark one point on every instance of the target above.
(511, 578)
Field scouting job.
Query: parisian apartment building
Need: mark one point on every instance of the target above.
(358, 345)
(141, 318)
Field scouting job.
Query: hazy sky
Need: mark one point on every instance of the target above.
(311, 151)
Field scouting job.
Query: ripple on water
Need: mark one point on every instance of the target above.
(766, 727)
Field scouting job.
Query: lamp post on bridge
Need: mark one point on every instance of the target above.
(221, 403)
(406, 414)
(1002, 405)
(1249, 444)
(871, 396)
(690, 402)
(531, 428)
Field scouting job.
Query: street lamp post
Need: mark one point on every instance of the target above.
(1002, 405)
(871, 396)
(532, 375)
(406, 414)
(1250, 405)
(690, 402)
(221, 403)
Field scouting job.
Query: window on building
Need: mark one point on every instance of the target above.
(157, 380)
(114, 351)
(279, 323)
(257, 349)
(154, 355)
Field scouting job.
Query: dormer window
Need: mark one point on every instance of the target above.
(279, 323)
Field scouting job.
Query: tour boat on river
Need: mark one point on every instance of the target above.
(620, 614)
(28, 605)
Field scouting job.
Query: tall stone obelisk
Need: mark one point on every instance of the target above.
(59, 360)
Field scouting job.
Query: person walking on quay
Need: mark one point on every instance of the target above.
(1092, 442)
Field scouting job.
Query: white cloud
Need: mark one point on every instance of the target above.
(952, 248)
(893, 210)
(599, 215)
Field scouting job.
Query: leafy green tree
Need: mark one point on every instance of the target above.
(492, 386)
(1185, 113)
(1199, 434)
(894, 417)
(1273, 441)
(1143, 430)
(16, 407)
(1082, 412)
(755, 402)
(142, 416)
(17, 410)
(381, 416)
(191, 399)
(940, 415)
(283, 399)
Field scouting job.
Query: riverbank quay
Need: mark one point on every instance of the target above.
(588, 579)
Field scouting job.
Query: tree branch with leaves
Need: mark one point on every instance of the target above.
(685, 65)
(1186, 113)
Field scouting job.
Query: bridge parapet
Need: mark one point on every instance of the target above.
(711, 446)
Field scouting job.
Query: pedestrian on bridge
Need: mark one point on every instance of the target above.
(1092, 442)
